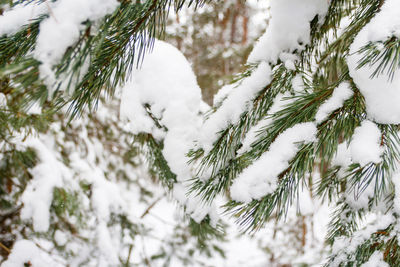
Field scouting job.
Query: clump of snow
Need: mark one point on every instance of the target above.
(233, 106)
(105, 244)
(61, 30)
(382, 95)
(386, 23)
(24, 253)
(339, 95)
(11, 21)
(175, 85)
(105, 197)
(223, 93)
(289, 60)
(38, 195)
(174, 98)
(289, 28)
(343, 156)
(376, 260)
(260, 178)
(60, 238)
(365, 144)
(298, 84)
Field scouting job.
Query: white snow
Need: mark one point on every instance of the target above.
(61, 30)
(174, 98)
(60, 238)
(386, 23)
(174, 85)
(234, 105)
(289, 26)
(305, 203)
(381, 94)
(11, 21)
(34, 108)
(104, 242)
(375, 260)
(342, 157)
(25, 251)
(223, 93)
(38, 195)
(365, 144)
(339, 95)
(298, 84)
(260, 178)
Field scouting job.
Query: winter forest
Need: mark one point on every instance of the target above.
(168, 133)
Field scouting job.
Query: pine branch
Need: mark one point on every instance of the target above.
(118, 46)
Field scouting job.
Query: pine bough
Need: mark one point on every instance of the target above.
(318, 106)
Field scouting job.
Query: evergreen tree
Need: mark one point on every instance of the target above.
(76, 191)
(316, 107)
(315, 119)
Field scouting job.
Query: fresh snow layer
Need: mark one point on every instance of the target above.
(12, 21)
(61, 30)
(223, 93)
(174, 98)
(376, 260)
(260, 178)
(234, 105)
(386, 23)
(298, 84)
(60, 238)
(365, 144)
(38, 195)
(339, 95)
(382, 95)
(166, 82)
(289, 28)
(26, 251)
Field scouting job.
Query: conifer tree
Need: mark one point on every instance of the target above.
(70, 177)
(316, 107)
(315, 119)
